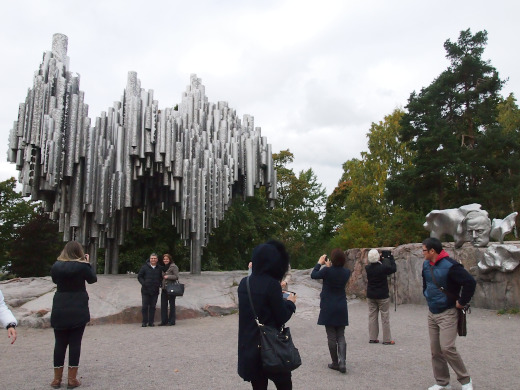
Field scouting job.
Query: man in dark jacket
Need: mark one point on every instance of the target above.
(150, 277)
(378, 296)
(447, 287)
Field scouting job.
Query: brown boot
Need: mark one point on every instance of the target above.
(73, 382)
(58, 373)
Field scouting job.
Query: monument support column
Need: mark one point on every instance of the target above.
(195, 266)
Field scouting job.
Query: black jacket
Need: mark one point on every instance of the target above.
(333, 296)
(150, 279)
(70, 302)
(377, 282)
(271, 308)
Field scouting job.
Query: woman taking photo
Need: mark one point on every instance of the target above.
(70, 313)
(170, 272)
(333, 305)
(270, 263)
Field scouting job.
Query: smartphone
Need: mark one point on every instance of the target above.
(287, 293)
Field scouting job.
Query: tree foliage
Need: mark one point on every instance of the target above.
(452, 128)
(14, 213)
(299, 211)
(246, 224)
(35, 248)
(359, 201)
(140, 243)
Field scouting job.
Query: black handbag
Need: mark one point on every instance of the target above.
(277, 349)
(173, 287)
(462, 329)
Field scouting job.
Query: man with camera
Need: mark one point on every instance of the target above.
(378, 297)
(443, 280)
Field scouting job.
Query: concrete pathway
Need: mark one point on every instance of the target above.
(201, 353)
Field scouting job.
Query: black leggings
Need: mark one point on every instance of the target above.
(282, 381)
(72, 339)
(335, 335)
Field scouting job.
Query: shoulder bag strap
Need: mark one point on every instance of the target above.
(448, 293)
(251, 303)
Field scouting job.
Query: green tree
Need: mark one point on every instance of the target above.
(356, 232)
(35, 247)
(298, 215)
(335, 209)
(140, 243)
(246, 224)
(366, 180)
(446, 125)
(14, 212)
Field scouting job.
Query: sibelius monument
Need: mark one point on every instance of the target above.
(134, 161)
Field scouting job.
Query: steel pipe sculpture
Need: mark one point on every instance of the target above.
(135, 159)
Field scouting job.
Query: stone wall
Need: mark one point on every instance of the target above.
(495, 290)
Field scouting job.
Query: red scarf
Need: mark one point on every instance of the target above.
(440, 256)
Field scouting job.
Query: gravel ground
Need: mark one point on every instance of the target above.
(201, 354)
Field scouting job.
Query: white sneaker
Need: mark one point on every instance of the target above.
(447, 387)
(467, 386)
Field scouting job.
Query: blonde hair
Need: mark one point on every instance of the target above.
(72, 251)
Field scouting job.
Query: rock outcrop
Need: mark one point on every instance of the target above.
(116, 299)
(495, 290)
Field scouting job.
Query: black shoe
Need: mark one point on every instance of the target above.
(144, 325)
(163, 324)
(172, 323)
(333, 366)
(152, 324)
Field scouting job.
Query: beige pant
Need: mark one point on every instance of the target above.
(374, 307)
(443, 333)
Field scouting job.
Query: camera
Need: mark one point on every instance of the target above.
(386, 254)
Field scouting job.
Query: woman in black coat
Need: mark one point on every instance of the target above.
(333, 305)
(270, 263)
(70, 313)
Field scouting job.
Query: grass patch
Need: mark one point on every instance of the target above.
(513, 311)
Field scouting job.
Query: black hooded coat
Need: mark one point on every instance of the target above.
(269, 267)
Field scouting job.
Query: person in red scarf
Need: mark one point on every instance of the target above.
(447, 287)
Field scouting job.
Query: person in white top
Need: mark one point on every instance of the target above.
(7, 319)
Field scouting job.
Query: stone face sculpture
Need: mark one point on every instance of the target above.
(135, 161)
(471, 224)
(454, 222)
(475, 228)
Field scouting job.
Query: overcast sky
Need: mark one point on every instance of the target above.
(314, 74)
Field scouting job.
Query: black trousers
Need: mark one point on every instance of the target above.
(149, 303)
(68, 338)
(165, 300)
(282, 381)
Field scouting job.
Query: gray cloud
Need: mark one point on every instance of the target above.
(314, 75)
